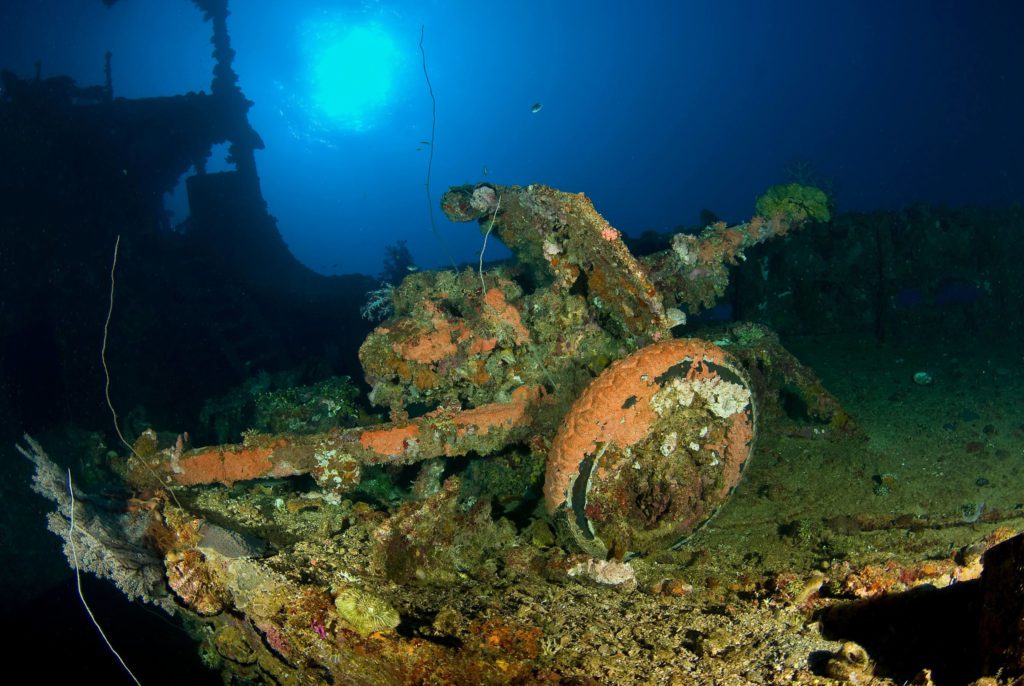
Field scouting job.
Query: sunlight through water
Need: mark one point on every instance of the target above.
(352, 70)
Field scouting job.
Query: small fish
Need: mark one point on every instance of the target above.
(418, 149)
(424, 142)
(537, 107)
(411, 267)
(486, 170)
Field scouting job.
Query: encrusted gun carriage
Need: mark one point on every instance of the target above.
(569, 355)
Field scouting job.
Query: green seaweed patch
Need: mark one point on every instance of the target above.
(794, 203)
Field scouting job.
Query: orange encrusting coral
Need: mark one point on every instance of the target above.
(505, 313)
(435, 345)
(508, 415)
(482, 345)
(226, 465)
(429, 347)
(436, 434)
(722, 247)
(739, 434)
(616, 409)
(395, 440)
(390, 441)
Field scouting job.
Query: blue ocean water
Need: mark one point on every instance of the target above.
(655, 110)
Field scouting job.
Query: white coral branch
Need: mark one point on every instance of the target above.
(110, 545)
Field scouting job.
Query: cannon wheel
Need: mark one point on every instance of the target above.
(651, 449)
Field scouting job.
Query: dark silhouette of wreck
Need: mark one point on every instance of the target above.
(200, 306)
